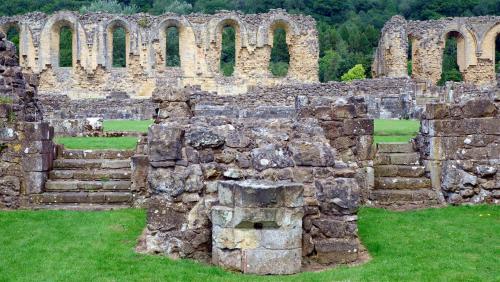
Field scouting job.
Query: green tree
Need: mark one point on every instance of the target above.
(171, 6)
(357, 72)
(109, 6)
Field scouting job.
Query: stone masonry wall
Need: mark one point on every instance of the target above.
(201, 139)
(475, 48)
(26, 148)
(92, 74)
(461, 146)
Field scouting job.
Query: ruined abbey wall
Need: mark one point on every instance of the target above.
(200, 39)
(26, 148)
(475, 48)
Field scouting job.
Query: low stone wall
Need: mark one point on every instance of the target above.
(461, 145)
(198, 142)
(117, 105)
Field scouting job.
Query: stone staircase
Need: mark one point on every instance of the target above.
(88, 179)
(401, 181)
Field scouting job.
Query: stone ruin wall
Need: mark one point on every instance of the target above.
(200, 36)
(475, 48)
(26, 148)
(323, 143)
(460, 144)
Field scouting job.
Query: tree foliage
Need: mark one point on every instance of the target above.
(357, 72)
(348, 29)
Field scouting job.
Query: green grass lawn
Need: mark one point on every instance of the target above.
(448, 244)
(98, 143)
(127, 125)
(393, 130)
(385, 131)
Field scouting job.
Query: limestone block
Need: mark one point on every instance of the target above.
(358, 127)
(336, 227)
(262, 261)
(338, 196)
(165, 142)
(38, 131)
(252, 193)
(312, 153)
(202, 138)
(271, 156)
(281, 239)
(336, 250)
(38, 147)
(35, 182)
(37, 162)
(228, 259)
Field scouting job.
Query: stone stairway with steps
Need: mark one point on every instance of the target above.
(400, 180)
(88, 180)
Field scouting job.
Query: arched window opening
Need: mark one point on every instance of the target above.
(280, 56)
(119, 48)
(450, 65)
(228, 51)
(173, 58)
(497, 55)
(410, 57)
(13, 36)
(65, 47)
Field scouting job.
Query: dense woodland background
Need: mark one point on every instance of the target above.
(348, 29)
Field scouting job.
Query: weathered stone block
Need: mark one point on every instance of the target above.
(312, 153)
(252, 193)
(37, 162)
(271, 156)
(38, 131)
(336, 250)
(35, 182)
(261, 261)
(202, 138)
(165, 142)
(338, 196)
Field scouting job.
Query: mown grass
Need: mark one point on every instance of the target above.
(385, 131)
(393, 130)
(448, 244)
(127, 125)
(98, 143)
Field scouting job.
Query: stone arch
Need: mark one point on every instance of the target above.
(49, 39)
(488, 44)
(110, 28)
(466, 45)
(265, 32)
(266, 37)
(162, 34)
(241, 40)
(286, 26)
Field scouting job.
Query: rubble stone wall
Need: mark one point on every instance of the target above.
(26, 148)
(475, 48)
(92, 72)
(201, 138)
(461, 145)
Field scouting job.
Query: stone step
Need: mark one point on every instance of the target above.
(81, 207)
(397, 159)
(91, 174)
(82, 198)
(399, 170)
(95, 154)
(402, 183)
(78, 185)
(395, 147)
(66, 164)
(404, 199)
